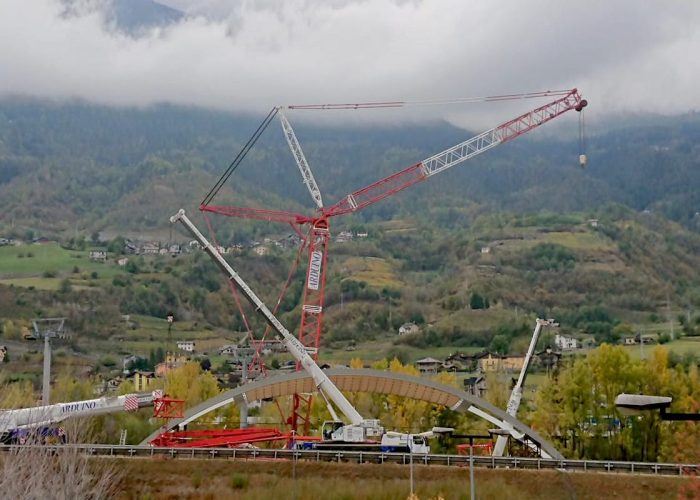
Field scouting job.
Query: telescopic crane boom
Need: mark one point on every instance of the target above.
(369, 428)
(38, 416)
(517, 392)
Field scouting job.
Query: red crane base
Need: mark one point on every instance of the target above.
(224, 438)
(168, 408)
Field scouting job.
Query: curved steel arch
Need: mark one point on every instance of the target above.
(363, 380)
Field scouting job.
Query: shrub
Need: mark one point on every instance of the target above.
(108, 361)
(476, 301)
(239, 481)
(549, 256)
(49, 274)
(196, 480)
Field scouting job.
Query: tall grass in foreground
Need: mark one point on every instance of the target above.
(40, 471)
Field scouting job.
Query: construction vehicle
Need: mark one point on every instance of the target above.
(318, 236)
(15, 424)
(516, 394)
(360, 433)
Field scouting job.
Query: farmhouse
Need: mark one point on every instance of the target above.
(98, 256)
(565, 343)
(408, 328)
(186, 345)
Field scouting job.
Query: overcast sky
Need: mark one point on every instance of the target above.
(249, 56)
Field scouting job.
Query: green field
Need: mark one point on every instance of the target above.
(33, 282)
(579, 241)
(35, 260)
(680, 347)
(376, 272)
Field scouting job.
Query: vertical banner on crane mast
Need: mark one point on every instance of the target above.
(315, 270)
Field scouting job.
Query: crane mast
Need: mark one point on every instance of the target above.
(517, 392)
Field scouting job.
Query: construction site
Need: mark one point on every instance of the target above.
(338, 431)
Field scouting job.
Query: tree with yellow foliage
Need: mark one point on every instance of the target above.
(18, 394)
(578, 409)
(190, 383)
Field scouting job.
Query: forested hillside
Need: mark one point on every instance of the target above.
(471, 256)
(83, 168)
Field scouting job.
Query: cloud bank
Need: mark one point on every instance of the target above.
(624, 55)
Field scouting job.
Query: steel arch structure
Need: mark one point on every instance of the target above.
(363, 380)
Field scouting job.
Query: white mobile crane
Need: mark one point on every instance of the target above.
(360, 431)
(16, 422)
(517, 392)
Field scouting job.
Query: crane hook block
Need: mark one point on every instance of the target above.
(579, 107)
(582, 160)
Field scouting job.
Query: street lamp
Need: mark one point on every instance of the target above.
(633, 404)
(471, 438)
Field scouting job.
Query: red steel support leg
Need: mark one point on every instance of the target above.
(312, 312)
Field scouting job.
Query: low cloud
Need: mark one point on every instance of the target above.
(624, 56)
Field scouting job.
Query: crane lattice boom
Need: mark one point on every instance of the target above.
(457, 154)
(300, 159)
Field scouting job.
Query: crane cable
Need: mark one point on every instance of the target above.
(283, 293)
(364, 105)
(429, 102)
(583, 158)
(240, 156)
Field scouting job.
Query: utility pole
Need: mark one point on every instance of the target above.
(668, 313)
(243, 408)
(471, 438)
(472, 486)
(46, 379)
(47, 328)
(171, 319)
(410, 452)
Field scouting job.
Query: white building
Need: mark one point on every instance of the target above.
(186, 345)
(408, 328)
(261, 250)
(98, 255)
(565, 343)
(343, 237)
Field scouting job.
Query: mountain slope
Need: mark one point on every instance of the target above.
(68, 165)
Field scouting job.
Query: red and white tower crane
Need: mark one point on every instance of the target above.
(318, 234)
